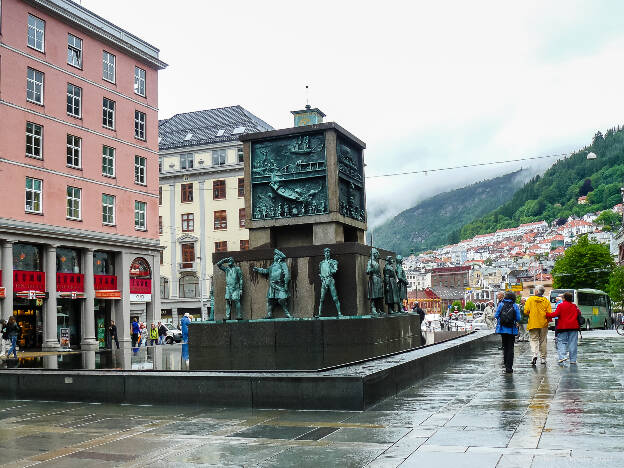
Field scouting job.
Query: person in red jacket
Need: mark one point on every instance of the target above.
(567, 328)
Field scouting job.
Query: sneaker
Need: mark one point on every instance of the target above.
(534, 361)
(561, 361)
(573, 362)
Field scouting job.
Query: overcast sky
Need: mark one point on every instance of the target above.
(425, 84)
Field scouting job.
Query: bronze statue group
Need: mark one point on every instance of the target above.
(391, 287)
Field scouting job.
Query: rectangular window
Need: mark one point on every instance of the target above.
(74, 51)
(74, 149)
(139, 125)
(140, 209)
(186, 161)
(241, 187)
(36, 33)
(186, 193)
(240, 155)
(108, 113)
(139, 169)
(160, 225)
(159, 196)
(74, 100)
(108, 66)
(34, 86)
(218, 190)
(188, 252)
(244, 244)
(33, 195)
(108, 209)
(73, 202)
(241, 217)
(221, 246)
(139, 81)
(34, 140)
(220, 219)
(218, 157)
(188, 222)
(108, 161)
(160, 161)
(162, 260)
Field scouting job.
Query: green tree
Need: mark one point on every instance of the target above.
(587, 264)
(470, 305)
(457, 304)
(609, 220)
(615, 288)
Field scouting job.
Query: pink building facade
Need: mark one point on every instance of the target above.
(78, 175)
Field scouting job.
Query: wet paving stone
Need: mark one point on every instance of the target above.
(273, 432)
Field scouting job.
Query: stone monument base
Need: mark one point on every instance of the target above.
(299, 344)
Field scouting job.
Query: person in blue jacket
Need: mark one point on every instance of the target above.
(184, 323)
(508, 333)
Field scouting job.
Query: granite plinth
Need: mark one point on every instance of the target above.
(299, 344)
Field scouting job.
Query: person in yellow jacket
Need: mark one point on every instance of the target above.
(153, 335)
(536, 308)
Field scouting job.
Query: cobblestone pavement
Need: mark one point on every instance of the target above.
(468, 415)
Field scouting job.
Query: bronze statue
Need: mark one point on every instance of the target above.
(212, 311)
(391, 285)
(279, 277)
(375, 285)
(327, 269)
(401, 280)
(233, 286)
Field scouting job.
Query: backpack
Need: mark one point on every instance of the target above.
(580, 318)
(507, 315)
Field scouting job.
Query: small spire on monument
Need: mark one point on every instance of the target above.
(307, 116)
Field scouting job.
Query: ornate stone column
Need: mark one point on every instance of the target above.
(7, 279)
(50, 338)
(88, 341)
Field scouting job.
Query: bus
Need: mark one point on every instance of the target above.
(594, 304)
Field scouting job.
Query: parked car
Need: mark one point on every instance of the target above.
(173, 334)
(479, 324)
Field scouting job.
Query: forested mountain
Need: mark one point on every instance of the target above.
(555, 194)
(428, 224)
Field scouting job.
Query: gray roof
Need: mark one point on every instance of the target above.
(203, 127)
(448, 293)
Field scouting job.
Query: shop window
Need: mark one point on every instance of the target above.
(103, 263)
(67, 260)
(218, 189)
(27, 257)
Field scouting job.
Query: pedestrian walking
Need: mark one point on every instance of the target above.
(144, 334)
(508, 316)
(536, 308)
(13, 330)
(135, 332)
(162, 333)
(488, 313)
(112, 333)
(3, 337)
(523, 334)
(184, 323)
(567, 328)
(153, 335)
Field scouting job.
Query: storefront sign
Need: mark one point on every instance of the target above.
(140, 298)
(2, 292)
(108, 294)
(64, 332)
(72, 295)
(70, 282)
(104, 282)
(31, 294)
(24, 281)
(140, 286)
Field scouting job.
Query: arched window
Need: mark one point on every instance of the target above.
(189, 286)
(139, 268)
(164, 288)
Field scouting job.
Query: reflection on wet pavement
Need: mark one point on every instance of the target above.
(468, 415)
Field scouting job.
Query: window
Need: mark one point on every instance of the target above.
(221, 246)
(33, 195)
(139, 169)
(240, 155)
(244, 244)
(241, 187)
(36, 33)
(189, 286)
(188, 253)
(108, 66)
(218, 157)
(74, 51)
(160, 225)
(186, 161)
(159, 196)
(139, 125)
(73, 202)
(188, 222)
(139, 215)
(108, 161)
(160, 162)
(241, 217)
(187, 193)
(34, 143)
(139, 81)
(34, 86)
(220, 219)
(108, 209)
(218, 189)
(108, 113)
(164, 283)
(74, 145)
(74, 100)
(162, 260)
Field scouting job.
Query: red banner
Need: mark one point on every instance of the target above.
(28, 281)
(70, 282)
(104, 282)
(140, 286)
(101, 294)
(2, 292)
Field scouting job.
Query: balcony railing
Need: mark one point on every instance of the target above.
(70, 282)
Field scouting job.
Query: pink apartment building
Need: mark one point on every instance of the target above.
(78, 175)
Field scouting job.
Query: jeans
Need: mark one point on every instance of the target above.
(13, 348)
(134, 338)
(161, 339)
(508, 349)
(567, 343)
